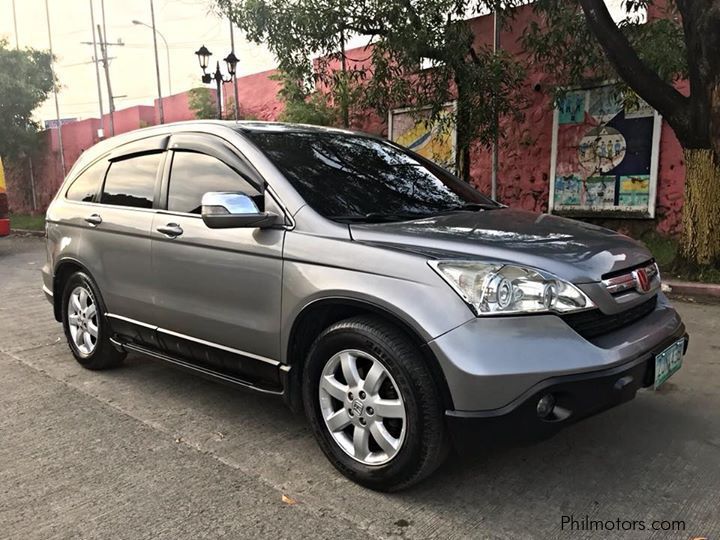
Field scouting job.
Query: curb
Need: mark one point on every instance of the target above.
(691, 288)
(28, 232)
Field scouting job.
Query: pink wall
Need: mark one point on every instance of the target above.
(257, 94)
(175, 108)
(129, 119)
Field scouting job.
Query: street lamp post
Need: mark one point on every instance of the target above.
(167, 51)
(230, 60)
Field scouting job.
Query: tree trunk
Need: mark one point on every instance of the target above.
(701, 211)
(462, 144)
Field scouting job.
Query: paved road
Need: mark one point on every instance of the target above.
(146, 451)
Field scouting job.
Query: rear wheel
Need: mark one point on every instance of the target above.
(85, 326)
(373, 404)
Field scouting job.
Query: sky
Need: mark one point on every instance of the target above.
(186, 24)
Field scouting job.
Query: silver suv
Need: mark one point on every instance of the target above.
(402, 310)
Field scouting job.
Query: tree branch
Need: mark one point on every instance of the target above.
(644, 81)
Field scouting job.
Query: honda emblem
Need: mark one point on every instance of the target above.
(642, 282)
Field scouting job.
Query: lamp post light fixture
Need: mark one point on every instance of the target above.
(203, 57)
(231, 62)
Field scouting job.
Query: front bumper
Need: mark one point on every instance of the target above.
(489, 362)
(576, 397)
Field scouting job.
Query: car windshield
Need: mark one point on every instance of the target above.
(348, 177)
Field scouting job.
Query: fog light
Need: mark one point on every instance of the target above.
(546, 405)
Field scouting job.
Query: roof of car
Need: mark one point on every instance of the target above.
(253, 126)
(257, 126)
(241, 126)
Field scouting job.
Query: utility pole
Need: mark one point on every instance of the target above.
(157, 62)
(494, 173)
(95, 58)
(17, 39)
(234, 77)
(57, 105)
(103, 50)
(103, 47)
(344, 105)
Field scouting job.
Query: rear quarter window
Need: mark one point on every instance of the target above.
(85, 187)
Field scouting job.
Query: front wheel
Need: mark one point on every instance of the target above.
(373, 405)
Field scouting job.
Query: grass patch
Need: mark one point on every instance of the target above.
(27, 222)
(666, 249)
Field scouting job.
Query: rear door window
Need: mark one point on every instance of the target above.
(85, 187)
(131, 182)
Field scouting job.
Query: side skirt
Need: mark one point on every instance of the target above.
(199, 370)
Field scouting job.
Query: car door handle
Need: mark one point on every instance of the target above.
(94, 219)
(171, 230)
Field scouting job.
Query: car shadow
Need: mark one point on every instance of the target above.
(595, 464)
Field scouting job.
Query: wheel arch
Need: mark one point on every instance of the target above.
(319, 314)
(65, 268)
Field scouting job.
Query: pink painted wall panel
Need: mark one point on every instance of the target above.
(175, 108)
(257, 94)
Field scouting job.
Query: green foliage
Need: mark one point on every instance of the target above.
(314, 110)
(666, 251)
(563, 43)
(202, 103)
(303, 105)
(25, 81)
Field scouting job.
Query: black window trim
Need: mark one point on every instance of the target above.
(147, 145)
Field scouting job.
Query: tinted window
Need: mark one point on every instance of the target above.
(192, 175)
(131, 182)
(350, 176)
(86, 186)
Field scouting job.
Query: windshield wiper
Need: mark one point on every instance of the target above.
(378, 217)
(470, 207)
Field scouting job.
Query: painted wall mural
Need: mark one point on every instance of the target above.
(433, 140)
(604, 156)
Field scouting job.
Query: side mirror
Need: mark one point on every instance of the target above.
(224, 210)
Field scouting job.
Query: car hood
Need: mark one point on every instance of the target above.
(573, 250)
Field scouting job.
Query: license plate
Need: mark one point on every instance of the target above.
(668, 362)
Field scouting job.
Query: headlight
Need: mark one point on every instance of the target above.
(492, 288)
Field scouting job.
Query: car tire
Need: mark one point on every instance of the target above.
(404, 447)
(85, 325)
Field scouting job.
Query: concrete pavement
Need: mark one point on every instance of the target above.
(146, 451)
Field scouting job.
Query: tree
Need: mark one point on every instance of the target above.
(579, 40)
(26, 79)
(403, 33)
(202, 103)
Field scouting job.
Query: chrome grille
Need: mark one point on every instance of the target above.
(629, 280)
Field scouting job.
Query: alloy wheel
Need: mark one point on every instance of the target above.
(362, 407)
(83, 320)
